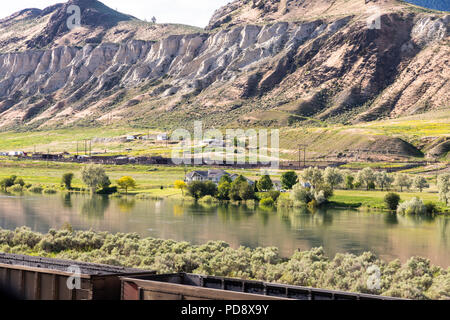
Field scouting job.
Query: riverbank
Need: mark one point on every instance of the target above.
(416, 279)
(156, 182)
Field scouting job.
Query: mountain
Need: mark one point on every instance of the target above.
(274, 62)
(443, 5)
(32, 29)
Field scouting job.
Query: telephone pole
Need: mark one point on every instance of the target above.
(302, 147)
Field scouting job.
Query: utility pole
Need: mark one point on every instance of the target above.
(300, 148)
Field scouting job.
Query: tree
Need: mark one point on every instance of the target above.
(289, 179)
(392, 200)
(383, 180)
(223, 192)
(301, 194)
(366, 177)
(126, 183)
(225, 178)
(180, 185)
(94, 176)
(443, 184)
(246, 191)
(403, 181)
(349, 179)
(200, 189)
(67, 180)
(420, 183)
(8, 182)
(333, 177)
(313, 175)
(265, 184)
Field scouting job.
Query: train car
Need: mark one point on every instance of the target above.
(34, 278)
(184, 286)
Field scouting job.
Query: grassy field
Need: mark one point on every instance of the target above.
(321, 140)
(375, 199)
(150, 179)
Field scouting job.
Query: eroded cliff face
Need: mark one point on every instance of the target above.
(334, 68)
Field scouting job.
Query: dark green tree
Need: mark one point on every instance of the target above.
(289, 179)
(67, 180)
(265, 184)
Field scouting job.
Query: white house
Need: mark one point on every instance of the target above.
(162, 137)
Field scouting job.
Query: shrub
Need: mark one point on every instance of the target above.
(107, 190)
(17, 188)
(392, 200)
(199, 189)
(267, 202)
(301, 194)
(208, 199)
(274, 195)
(431, 208)
(36, 189)
(414, 206)
(50, 191)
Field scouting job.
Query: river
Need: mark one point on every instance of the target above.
(338, 231)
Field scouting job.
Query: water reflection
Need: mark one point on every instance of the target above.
(126, 205)
(388, 235)
(95, 206)
(391, 219)
(67, 200)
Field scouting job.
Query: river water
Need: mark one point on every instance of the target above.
(337, 231)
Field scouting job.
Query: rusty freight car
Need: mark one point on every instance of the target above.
(34, 278)
(195, 287)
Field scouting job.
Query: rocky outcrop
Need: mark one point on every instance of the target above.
(335, 68)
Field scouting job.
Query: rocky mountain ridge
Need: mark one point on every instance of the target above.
(330, 68)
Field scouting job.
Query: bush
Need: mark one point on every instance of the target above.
(414, 206)
(431, 208)
(199, 189)
(208, 199)
(301, 194)
(274, 195)
(17, 188)
(267, 202)
(36, 189)
(415, 279)
(108, 190)
(392, 200)
(50, 191)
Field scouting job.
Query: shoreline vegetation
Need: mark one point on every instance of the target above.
(312, 188)
(415, 279)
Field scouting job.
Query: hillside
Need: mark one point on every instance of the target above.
(32, 29)
(306, 60)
